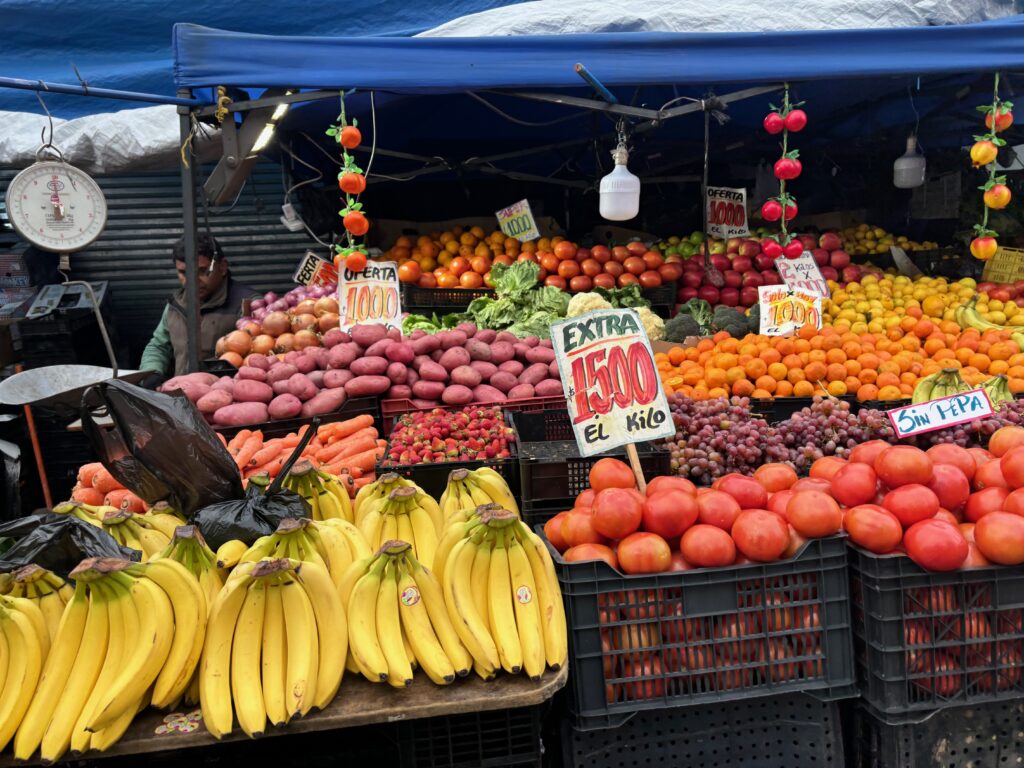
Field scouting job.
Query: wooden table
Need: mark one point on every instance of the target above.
(358, 702)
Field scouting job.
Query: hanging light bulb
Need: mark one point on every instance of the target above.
(620, 189)
(909, 169)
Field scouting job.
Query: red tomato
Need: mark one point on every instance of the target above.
(653, 259)
(669, 513)
(717, 508)
(627, 278)
(665, 482)
(585, 499)
(760, 535)
(936, 545)
(1014, 502)
(950, 485)
(565, 250)
(582, 552)
(616, 513)
(778, 501)
(855, 483)
(775, 477)
(902, 465)
(568, 269)
(611, 473)
(1004, 439)
(812, 484)
(650, 279)
(614, 268)
(911, 503)
(707, 546)
(866, 453)
(927, 670)
(1000, 537)
(1012, 466)
(670, 272)
(947, 453)
(644, 553)
(553, 530)
(980, 456)
(649, 678)
(949, 517)
(556, 282)
(749, 493)
(578, 528)
(580, 284)
(549, 261)
(826, 467)
(974, 557)
(679, 563)
(635, 265)
(796, 542)
(591, 267)
(990, 475)
(814, 514)
(604, 280)
(872, 527)
(984, 502)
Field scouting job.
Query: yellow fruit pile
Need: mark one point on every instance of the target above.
(879, 301)
(865, 239)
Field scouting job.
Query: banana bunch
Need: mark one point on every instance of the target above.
(326, 495)
(940, 384)
(275, 646)
(467, 490)
(229, 553)
(967, 316)
(131, 633)
(24, 646)
(998, 390)
(134, 531)
(87, 512)
(398, 621)
(502, 596)
(376, 491)
(164, 518)
(406, 514)
(46, 590)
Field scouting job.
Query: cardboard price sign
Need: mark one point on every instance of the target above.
(783, 312)
(370, 296)
(727, 212)
(943, 412)
(802, 274)
(1007, 266)
(314, 271)
(517, 221)
(611, 385)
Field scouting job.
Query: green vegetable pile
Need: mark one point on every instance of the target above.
(696, 318)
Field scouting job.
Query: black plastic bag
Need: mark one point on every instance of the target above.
(262, 509)
(160, 446)
(57, 543)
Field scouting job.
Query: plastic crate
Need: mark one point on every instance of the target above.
(982, 736)
(927, 641)
(433, 477)
(795, 731)
(551, 471)
(352, 407)
(707, 635)
(508, 737)
(440, 300)
(392, 410)
(59, 339)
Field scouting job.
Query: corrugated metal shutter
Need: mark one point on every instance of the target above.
(145, 219)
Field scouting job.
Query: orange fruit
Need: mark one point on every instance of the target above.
(836, 388)
(836, 372)
(767, 383)
(796, 374)
(867, 392)
(742, 388)
(890, 393)
(815, 371)
(783, 389)
(807, 332)
(803, 389)
(777, 371)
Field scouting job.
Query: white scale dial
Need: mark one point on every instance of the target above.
(56, 206)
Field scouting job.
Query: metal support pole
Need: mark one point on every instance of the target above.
(596, 84)
(99, 93)
(188, 215)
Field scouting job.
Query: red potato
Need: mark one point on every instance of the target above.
(317, 377)
(502, 351)
(395, 334)
(521, 392)
(175, 382)
(486, 370)
(454, 358)
(252, 392)
(300, 386)
(252, 373)
(421, 403)
(553, 371)
(505, 336)
(521, 349)
(512, 366)
(192, 390)
(342, 355)
(334, 337)
(453, 339)
(241, 414)
(503, 381)
(363, 386)
(369, 366)
(431, 371)
(329, 400)
(484, 393)
(478, 350)
(319, 356)
(397, 372)
(457, 394)
(224, 383)
(467, 328)
(367, 335)
(285, 407)
(531, 341)
(281, 372)
(281, 387)
(486, 335)
(214, 400)
(540, 355)
(548, 388)
(436, 355)
(425, 345)
(466, 376)
(259, 361)
(400, 353)
(428, 390)
(305, 363)
(533, 375)
(399, 392)
(379, 348)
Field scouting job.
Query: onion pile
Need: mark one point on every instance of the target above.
(277, 325)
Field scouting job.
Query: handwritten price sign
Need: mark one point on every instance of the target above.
(314, 271)
(727, 212)
(802, 274)
(783, 311)
(610, 381)
(517, 221)
(370, 296)
(943, 412)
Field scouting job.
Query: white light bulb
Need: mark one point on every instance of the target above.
(620, 190)
(909, 169)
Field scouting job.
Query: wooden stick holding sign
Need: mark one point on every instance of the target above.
(611, 384)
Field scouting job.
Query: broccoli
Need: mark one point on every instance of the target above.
(681, 326)
(730, 320)
(754, 319)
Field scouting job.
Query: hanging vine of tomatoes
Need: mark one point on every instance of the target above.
(352, 183)
(785, 120)
(996, 195)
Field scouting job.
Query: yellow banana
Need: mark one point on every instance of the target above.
(356, 541)
(230, 553)
(362, 623)
(421, 635)
(334, 550)
(332, 630)
(246, 690)
(433, 601)
(478, 580)
(356, 571)
(499, 605)
(215, 667)
(462, 610)
(273, 656)
(425, 534)
(31, 611)
(303, 648)
(524, 590)
(495, 487)
(549, 597)
(389, 630)
(24, 664)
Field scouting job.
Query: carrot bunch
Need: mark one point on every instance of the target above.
(97, 487)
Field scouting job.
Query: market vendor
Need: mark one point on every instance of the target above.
(220, 306)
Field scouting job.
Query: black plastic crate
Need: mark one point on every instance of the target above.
(707, 635)
(795, 731)
(500, 738)
(552, 473)
(440, 300)
(59, 339)
(433, 477)
(352, 407)
(392, 410)
(982, 736)
(927, 641)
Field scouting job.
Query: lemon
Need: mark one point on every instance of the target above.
(997, 317)
(1017, 319)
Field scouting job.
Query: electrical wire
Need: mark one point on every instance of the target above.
(516, 120)
(288, 192)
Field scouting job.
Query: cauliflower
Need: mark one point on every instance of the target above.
(585, 302)
(653, 324)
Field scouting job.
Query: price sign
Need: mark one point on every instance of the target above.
(610, 381)
(727, 212)
(783, 312)
(943, 412)
(370, 296)
(1007, 266)
(802, 274)
(517, 221)
(314, 271)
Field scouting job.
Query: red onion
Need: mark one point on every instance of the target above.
(270, 297)
(259, 314)
(258, 303)
(242, 322)
(278, 306)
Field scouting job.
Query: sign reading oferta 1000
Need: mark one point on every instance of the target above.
(610, 381)
(941, 412)
(370, 296)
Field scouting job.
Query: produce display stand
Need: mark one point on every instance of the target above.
(358, 703)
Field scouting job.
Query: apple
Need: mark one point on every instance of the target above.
(830, 241)
(686, 293)
(692, 278)
(752, 279)
(717, 247)
(829, 273)
(985, 287)
(770, 277)
(729, 296)
(732, 245)
(1019, 302)
(733, 279)
(999, 294)
(851, 274)
(749, 248)
(839, 259)
(693, 265)
(748, 295)
(820, 256)
(709, 293)
(720, 262)
(742, 263)
(763, 261)
(809, 241)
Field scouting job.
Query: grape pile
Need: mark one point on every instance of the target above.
(715, 437)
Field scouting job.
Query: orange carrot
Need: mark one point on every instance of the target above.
(361, 482)
(84, 495)
(345, 428)
(269, 451)
(87, 473)
(289, 441)
(238, 441)
(248, 449)
(347, 447)
(125, 499)
(363, 461)
(104, 482)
